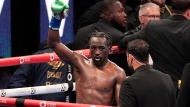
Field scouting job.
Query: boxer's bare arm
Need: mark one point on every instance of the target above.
(121, 76)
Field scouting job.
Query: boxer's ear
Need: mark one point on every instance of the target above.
(111, 51)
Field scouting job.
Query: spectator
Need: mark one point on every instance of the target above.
(147, 12)
(42, 74)
(147, 87)
(169, 40)
(165, 11)
(92, 15)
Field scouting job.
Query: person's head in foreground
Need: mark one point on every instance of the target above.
(137, 53)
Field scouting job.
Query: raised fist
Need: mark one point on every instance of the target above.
(59, 9)
(59, 12)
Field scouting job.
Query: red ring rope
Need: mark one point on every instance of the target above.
(45, 57)
(40, 103)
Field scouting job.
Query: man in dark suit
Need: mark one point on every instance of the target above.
(147, 87)
(169, 40)
(92, 15)
(184, 91)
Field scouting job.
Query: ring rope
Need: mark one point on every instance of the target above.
(40, 103)
(15, 92)
(46, 57)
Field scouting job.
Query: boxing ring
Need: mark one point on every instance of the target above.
(6, 94)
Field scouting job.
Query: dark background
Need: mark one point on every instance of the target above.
(25, 26)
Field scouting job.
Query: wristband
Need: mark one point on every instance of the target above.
(55, 23)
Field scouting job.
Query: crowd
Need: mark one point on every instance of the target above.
(150, 30)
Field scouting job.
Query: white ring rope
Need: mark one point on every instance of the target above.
(36, 90)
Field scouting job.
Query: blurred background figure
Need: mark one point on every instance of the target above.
(92, 14)
(147, 12)
(133, 22)
(5, 76)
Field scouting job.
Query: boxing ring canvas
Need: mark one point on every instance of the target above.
(66, 28)
(5, 28)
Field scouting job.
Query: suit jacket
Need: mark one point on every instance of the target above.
(147, 87)
(169, 41)
(184, 92)
(103, 25)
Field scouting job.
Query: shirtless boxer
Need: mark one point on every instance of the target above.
(98, 80)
